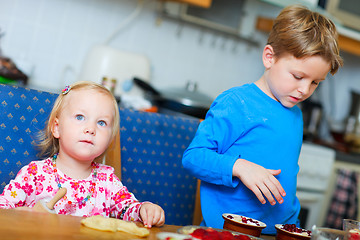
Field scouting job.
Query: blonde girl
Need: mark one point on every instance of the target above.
(81, 126)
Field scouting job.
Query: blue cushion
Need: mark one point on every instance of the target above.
(151, 149)
(152, 146)
(23, 113)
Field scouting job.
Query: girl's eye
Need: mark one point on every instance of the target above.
(297, 77)
(102, 123)
(79, 117)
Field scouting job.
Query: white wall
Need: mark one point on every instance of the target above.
(48, 40)
(52, 34)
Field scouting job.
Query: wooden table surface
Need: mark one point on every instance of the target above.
(17, 224)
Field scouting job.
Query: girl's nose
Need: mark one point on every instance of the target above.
(89, 130)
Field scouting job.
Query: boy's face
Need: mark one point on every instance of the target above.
(84, 126)
(290, 80)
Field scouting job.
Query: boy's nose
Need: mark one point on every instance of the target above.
(304, 88)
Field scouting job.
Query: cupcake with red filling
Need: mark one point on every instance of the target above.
(243, 224)
(291, 232)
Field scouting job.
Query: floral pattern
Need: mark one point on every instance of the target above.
(36, 181)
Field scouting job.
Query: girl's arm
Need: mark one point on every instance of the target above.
(152, 215)
(128, 208)
(124, 205)
(16, 192)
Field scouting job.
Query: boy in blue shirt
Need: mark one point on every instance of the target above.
(246, 150)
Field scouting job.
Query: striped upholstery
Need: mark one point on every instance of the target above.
(152, 145)
(23, 112)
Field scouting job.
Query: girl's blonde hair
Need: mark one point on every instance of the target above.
(48, 144)
(302, 33)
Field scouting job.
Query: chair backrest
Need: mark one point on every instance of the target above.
(151, 149)
(23, 112)
(152, 146)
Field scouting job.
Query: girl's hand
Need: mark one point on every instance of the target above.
(152, 215)
(260, 180)
(24, 208)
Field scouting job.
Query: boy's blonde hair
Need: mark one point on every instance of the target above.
(303, 33)
(48, 144)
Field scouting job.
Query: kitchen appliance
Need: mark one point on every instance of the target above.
(10, 73)
(316, 166)
(182, 100)
(312, 114)
(352, 130)
(345, 11)
(103, 61)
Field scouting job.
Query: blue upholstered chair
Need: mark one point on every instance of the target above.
(152, 146)
(23, 112)
(151, 149)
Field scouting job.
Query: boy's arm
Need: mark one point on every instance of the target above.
(207, 157)
(260, 181)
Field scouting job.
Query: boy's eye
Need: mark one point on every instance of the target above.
(102, 123)
(315, 83)
(79, 117)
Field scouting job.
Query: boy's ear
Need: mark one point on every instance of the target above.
(268, 56)
(55, 128)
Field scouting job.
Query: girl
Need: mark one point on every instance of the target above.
(81, 126)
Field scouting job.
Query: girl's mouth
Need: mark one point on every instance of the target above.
(87, 141)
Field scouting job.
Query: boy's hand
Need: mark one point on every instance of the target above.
(152, 215)
(259, 180)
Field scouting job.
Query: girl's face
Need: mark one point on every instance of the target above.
(84, 125)
(290, 80)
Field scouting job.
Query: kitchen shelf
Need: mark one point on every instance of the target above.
(349, 40)
(163, 14)
(199, 3)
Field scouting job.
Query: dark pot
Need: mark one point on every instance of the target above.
(187, 101)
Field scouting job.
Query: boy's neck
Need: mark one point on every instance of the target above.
(261, 83)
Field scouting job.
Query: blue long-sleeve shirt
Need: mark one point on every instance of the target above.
(244, 122)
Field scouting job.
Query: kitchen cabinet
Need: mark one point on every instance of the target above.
(230, 19)
(199, 3)
(349, 40)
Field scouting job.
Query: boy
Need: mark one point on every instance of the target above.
(247, 148)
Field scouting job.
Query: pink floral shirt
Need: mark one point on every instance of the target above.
(36, 181)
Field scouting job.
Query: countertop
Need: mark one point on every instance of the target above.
(348, 157)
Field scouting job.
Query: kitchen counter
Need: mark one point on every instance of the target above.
(348, 157)
(341, 154)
